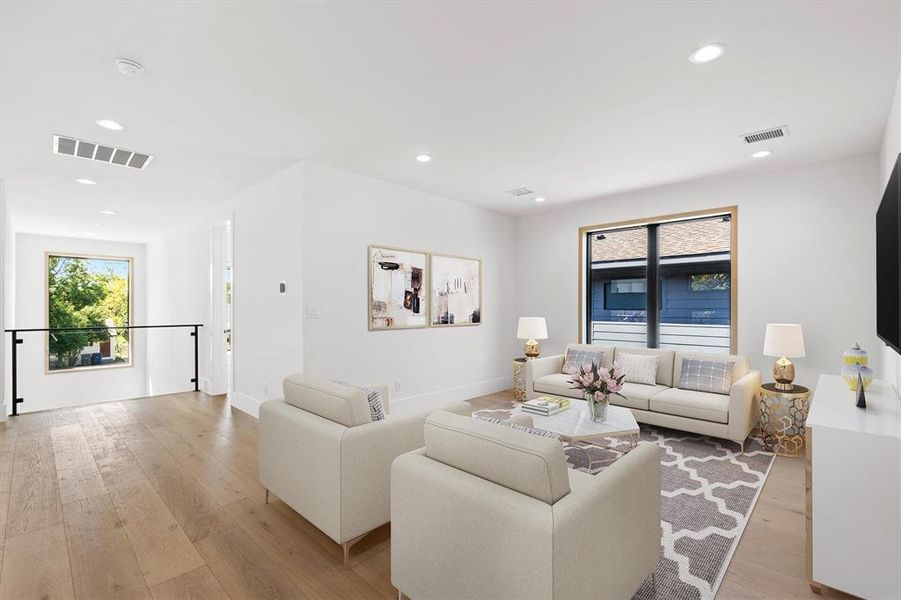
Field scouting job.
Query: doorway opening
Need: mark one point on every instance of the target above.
(221, 307)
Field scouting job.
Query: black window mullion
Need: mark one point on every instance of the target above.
(653, 289)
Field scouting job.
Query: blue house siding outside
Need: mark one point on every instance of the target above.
(680, 304)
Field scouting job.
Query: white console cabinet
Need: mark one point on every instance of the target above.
(853, 490)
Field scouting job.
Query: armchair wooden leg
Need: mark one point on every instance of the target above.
(267, 496)
(347, 545)
(654, 582)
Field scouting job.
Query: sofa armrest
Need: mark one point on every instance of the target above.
(366, 455)
(621, 508)
(539, 367)
(744, 410)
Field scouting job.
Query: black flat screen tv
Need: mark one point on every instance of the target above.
(888, 262)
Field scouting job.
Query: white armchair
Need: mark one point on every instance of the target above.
(484, 511)
(321, 453)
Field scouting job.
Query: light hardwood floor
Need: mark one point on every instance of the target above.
(158, 498)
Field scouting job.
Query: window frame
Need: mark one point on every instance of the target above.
(585, 265)
(131, 308)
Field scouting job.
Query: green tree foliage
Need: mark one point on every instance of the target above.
(79, 298)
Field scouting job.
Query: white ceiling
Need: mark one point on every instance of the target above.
(574, 100)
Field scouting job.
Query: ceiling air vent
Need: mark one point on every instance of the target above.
(766, 134)
(520, 191)
(99, 152)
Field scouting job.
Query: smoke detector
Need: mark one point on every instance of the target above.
(99, 152)
(129, 68)
(520, 191)
(766, 134)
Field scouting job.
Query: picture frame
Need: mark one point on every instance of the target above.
(455, 291)
(398, 284)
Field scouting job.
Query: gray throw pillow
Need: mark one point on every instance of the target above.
(376, 410)
(575, 358)
(523, 428)
(702, 375)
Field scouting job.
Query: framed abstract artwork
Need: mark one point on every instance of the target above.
(456, 291)
(398, 288)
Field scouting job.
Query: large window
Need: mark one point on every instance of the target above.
(661, 283)
(88, 292)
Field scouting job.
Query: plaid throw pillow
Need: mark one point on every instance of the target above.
(518, 427)
(376, 410)
(575, 358)
(713, 376)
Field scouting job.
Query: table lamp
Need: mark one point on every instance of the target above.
(532, 329)
(783, 340)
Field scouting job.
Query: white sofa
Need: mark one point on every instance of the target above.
(484, 511)
(322, 454)
(729, 416)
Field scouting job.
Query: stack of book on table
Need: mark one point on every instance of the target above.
(545, 405)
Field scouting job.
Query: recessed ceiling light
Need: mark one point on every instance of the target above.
(761, 154)
(540, 199)
(86, 181)
(108, 212)
(110, 124)
(423, 157)
(707, 53)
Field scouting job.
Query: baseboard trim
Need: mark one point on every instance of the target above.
(246, 404)
(438, 398)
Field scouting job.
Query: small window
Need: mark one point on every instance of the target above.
(93, 295)
(708, 282)
(625, 294)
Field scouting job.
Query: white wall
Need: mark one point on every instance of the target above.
(891, 146)
(812, 225)
(178, 293)
(40, 389)
(7, 298)
(267, 328)
(343, 214)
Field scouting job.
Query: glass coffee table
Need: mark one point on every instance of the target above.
(575, 425)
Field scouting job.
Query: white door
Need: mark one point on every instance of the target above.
(221, 289)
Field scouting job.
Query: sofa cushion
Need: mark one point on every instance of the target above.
(664, 361)
(739, 369)
(557, 384)
(692, 404)
(706, 375)
(637, 395)
(638, 368)
(528, 464)
(342, 404)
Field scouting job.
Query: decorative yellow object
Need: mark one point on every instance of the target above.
(855, 355)
(850, 373)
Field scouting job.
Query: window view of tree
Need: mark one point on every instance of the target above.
(88, 292)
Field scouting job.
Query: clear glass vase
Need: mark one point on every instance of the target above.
(597, 408)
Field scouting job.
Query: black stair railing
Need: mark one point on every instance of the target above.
(16, 340)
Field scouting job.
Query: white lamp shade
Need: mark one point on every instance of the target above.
(532, 328)
(783, 339)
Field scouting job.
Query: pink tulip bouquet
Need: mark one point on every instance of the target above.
(597, 384)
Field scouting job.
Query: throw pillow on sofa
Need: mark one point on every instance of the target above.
(576, 358)
(376, 410)
(713, 376)
(523, 428)
(639, 368)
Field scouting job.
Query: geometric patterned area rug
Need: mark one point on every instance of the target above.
(708, 490)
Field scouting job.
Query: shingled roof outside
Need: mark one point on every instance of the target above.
(682, 238)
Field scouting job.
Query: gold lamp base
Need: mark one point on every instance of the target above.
(784, 374)
(532, 349)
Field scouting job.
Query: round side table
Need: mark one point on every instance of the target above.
(782, 417)
(519, 379)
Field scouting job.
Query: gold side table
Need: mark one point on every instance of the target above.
(519, 379)
(783, 415)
